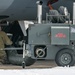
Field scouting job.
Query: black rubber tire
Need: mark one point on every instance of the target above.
(65, 57)
(17, 59)
(29, 61)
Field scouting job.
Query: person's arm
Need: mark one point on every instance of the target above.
(6, 39)
(50, 6)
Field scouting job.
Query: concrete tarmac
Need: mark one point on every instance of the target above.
(37, 64)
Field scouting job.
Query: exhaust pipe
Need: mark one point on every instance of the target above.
(74, 13)
(39, 11)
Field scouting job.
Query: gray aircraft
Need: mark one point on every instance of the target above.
(20, 9)
(27, 9)
(15, 10)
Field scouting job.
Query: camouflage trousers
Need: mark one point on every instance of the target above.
(2, 56)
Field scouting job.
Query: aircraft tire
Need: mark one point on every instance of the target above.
(17, 59)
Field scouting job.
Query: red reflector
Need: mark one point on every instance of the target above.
(60, 35)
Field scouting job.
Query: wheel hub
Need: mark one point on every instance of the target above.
(66, 58)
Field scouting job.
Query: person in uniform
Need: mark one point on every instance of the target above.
(4, 40)
(57, 18)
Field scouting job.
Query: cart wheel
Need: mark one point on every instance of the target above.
(65, 57)
(23, 65)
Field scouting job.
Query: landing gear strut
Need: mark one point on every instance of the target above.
(24, 55)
